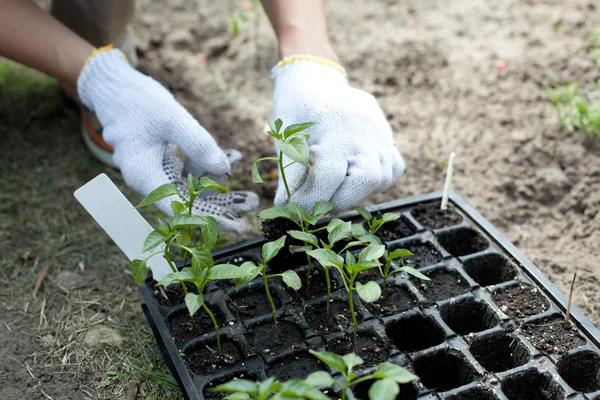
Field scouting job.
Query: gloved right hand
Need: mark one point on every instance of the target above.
(140, 118)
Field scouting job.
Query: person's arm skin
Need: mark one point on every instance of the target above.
(31, 37)
(300, 27)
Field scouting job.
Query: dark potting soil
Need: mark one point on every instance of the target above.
(295, 366)
(500, 352)
(581, 371)
(430, 216)
(443, 285)
(462, 241)
(474, 394)
(265, 338)
(372, 274)
(273, 229)
(424, 254)
(252, 303)
(397, 229)
(317, 286)
(550, 336)
(520, 301)
(203, 358)
(444, 370)
(532, 385)
(174, 293)
(221, 395)
(182, 329)
(371, 349)
(339, 317)
(396, 300)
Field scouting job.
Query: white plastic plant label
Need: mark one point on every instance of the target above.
(120, 220)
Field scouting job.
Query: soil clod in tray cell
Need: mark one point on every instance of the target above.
(247, 304)
(370, 348)
(520, 301)
(474, 394)
(408, 391)
(415, 332)
(499, 352)
(490, 269)
(444, 370)
(444, 283)
(395, 300)
(469, 315)
(265, 338)
(339, 317)
(581, 370)
(431, 216)
(397, 229)
(203, 357)
(297, 365)
(424, 254)
(550, 336)
(532, 385)
(462, 241)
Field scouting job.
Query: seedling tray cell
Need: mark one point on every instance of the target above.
(489, 324)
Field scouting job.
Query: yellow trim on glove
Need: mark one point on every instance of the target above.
(307, 57)
(99, 50)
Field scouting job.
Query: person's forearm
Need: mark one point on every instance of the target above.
(300, 27)
(31, 37)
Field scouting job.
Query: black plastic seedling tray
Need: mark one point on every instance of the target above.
(487, 326)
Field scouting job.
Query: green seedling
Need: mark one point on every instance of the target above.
(375, 224)
(292, 143)
(176, 233)
(387, 376)
(387, 270)
(349, 269)
(269, 251)
(294, 389)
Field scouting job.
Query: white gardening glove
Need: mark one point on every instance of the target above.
(140, 118)
(352, 144)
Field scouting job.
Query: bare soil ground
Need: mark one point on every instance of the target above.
(434, 67)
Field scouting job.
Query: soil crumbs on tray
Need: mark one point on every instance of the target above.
(395, 300)
(550, 336)
(520, 301)
(431, 216)
(372, 350)
(338, 318)
(252, 303)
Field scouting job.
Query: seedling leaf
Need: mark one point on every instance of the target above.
(414, 272)
(227, 271)
(184, 220)
(400, 253)
(154, 239)
(161, 192)
(191, 183)
(331, 359)
(139, 271)
(394, 372)
(268, 386)
(304, 237)
(358, 230)
(251, 271)
(364, 213)
(201, 258)
(299, 389)
(299, 249)
(321, 207)
(210, 232)
(299, 211)
(256, 178)
(237, 385)
(193, 302)
(384, 389)
(352, 360)
(371, 252)
(340, 232)
(206, 183)
(291, 279)
(177, 207)
(238, 396)
(276, 212)
(320, 379)
(295, 128)
(369, 292)
(181, 276)
(270, 249)
(297, 149)
(327, 258)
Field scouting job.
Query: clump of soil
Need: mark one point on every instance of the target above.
(371, 349)
(221, 395)
(550, 336)
(339, 317)
(397, 299)
(273, 229)
(252, 303)
(182, 329)
(295, 366)
(462, 241)
(431, 216)
(317, 286)
(424, 254)
(267, 339)
(174, 293)
(520, 301)
(397, 229)
(444, 284)
(203, 358)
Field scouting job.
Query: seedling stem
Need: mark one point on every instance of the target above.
(448, 183)
(568, 314)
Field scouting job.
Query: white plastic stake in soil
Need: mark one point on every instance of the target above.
(120, 220)
(448, 183)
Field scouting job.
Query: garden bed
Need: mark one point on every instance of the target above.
(482, 328)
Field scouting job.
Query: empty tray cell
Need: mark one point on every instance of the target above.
(369, 347)
(444, 283)
(469, 315)
(581, 371)
(490, 269)
(396, 299)
(339, 317)
(431, 216)
(474, 394)
(181, 326)
(462, 241)
(520, 301)
(397, 229)
(444, 370)
(253, 302)
(424, 254)
(265, 338)
(216, 382)
(414, 332)
(550, 336)
(500, 352)
(532, 385)
(295, 366)
(203, 359)
(408, 391)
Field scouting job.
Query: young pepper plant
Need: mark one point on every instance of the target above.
(375, 224)
(294, 389)
(292, 143)
(386, 270)
(387, 376)
(252, 270)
